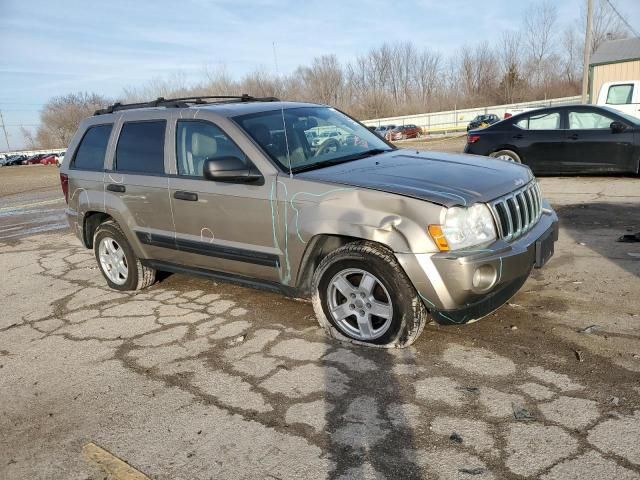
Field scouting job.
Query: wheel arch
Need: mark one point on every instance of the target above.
(90, 223)
(509, 147)
(319, 247)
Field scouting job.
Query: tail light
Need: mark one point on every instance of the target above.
(507, 115)
(64, 183)
(473, 138)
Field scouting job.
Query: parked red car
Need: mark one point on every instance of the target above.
(403, 132)
(33, 160)
(48, 160)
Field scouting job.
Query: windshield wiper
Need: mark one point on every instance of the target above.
(337, 161)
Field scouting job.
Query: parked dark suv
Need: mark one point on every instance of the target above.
(380, 238)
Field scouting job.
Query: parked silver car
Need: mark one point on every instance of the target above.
(379, 238)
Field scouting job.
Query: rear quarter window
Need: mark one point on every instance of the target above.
(93, 148)
(141, 147)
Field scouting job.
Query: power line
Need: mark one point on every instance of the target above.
(622, 18)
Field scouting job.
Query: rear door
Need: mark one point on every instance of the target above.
(226, 227)
(137, 187)
(592, 146)
(539, 138)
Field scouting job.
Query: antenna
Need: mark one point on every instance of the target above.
(284, 124)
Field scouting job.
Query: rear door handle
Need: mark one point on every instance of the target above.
(518, 136)
(573, 136)
(116, 187)
(188, 196)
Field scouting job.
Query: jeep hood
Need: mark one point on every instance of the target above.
(442, 178)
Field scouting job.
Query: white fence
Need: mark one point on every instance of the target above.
(454, 120)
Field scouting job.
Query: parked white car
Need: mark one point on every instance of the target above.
(621, 95)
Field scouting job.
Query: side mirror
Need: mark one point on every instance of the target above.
(617, 127)
(230, 169)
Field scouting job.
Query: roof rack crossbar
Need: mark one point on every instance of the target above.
(183, 102)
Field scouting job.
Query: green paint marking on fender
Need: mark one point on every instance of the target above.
(314, 195)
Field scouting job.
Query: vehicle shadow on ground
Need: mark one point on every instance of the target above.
(370, 429)
(583, 223)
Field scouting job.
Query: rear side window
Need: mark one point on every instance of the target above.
(93, 148)
(620, 94)
(197, 141)
(540, 121)
(141, 147)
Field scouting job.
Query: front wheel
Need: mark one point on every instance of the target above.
(361, 294)
(118, 263)
(507, 155)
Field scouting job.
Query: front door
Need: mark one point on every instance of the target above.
(592, 146)
(226, 227)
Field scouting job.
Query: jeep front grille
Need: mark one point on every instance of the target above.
(517, 212)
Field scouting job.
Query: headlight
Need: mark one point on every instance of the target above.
(464, 227)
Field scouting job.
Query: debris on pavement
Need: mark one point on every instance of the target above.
(521, 414)
(589, 329)
(473, 471)
(454, 437)
(579, 355)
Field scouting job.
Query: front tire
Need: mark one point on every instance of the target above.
(362, 295)
(508, 155)
(118, 263)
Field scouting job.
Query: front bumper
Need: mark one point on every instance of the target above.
(444, 280)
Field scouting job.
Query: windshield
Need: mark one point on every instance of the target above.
(626, 116)
(314, 137)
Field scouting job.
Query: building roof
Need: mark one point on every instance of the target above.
(612, 51)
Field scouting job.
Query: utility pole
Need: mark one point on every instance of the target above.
(587, 52)
(6, 137)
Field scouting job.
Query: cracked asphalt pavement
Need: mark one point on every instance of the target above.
(193, 379)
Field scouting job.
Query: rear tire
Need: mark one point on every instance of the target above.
(508, 155)
(119, 265)
(402, 313)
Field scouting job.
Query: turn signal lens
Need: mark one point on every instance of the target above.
(436, 233)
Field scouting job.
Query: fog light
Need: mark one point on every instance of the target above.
(484, 277)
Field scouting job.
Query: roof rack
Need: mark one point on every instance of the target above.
(184, 102)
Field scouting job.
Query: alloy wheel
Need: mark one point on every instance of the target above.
(359, 304)
(113, 261)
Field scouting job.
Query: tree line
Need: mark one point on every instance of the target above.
(539, 58)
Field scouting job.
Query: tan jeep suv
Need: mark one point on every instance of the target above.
(240, 189)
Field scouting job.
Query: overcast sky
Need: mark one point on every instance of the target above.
(53, 48)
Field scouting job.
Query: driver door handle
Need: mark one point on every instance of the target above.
(518, 136)
(116, 187)
(573, 136)
(188, 196)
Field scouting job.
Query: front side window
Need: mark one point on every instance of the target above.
(141, 147)
(197, 141)
(93, 148)
(588, 121)
(540, 121)
(620, 94)
(314, 137)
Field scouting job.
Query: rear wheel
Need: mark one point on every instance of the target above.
(361, 294)
(118, 263)
(507, 155)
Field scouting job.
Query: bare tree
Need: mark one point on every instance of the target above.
(61, 116)
(28, 138)
(322, 80)
(539, 39)
(606, 24)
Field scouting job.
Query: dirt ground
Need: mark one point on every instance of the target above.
(193, 379)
